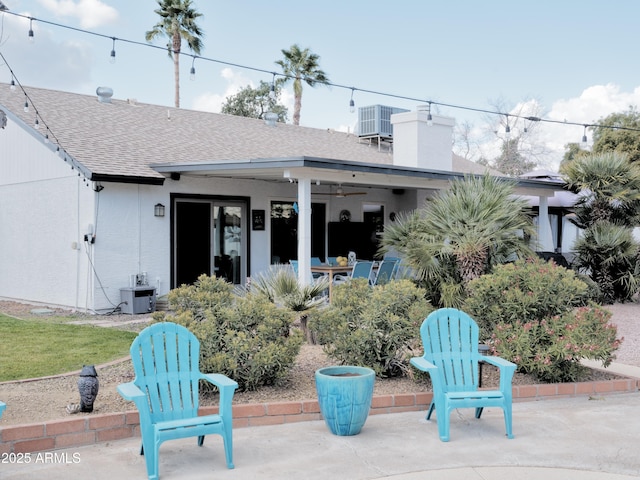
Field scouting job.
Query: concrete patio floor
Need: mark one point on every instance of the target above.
(569, 439)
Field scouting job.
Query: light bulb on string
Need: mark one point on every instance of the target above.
(507, 129)
(31, 37)
(13, 85)
(352, 104)
(112, 57)
(36, 124)
(429, 116)
(26, 103)
(584, 137)
(192, 72)
(272, 89)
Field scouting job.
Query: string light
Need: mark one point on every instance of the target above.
(192, 72)
(507, 129)
(38, 119)
(272, 89)
(288, 76)
(429, 116)
(352, 104)
(112, 58)
(31, 38)
(584, 135)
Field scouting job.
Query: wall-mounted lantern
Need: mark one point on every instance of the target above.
(158, 210)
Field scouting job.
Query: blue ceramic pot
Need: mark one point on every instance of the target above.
(344, 395)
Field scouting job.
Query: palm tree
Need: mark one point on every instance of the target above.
(178, 22)
(301, 65)
(461, 234)
(607, 211)
(280, 285)
(609, 253)
(609, 184)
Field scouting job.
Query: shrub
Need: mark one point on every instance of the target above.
(376, 327)
(523, 291)
(280, 285)
(247, 337)
(552, 348)
(539, 316)
(609, 253)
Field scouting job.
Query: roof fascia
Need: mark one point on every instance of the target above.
(307, 167)
(104, 177)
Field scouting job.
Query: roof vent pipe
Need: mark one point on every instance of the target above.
(104, 94)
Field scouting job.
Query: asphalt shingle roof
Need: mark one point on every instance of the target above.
(123, 138)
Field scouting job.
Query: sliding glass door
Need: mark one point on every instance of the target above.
(209, 237)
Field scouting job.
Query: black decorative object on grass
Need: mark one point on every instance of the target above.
(88, 386)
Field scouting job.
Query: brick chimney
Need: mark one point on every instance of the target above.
(420, 143)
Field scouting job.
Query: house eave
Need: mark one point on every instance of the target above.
(333, 170)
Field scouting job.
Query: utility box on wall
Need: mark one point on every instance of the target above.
(137, 300)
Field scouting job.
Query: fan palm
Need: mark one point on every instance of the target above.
(280, 285)
(461, 234)
(607, 211)
(177, 22)
(609, 185)
(301, 65)
(610, 255)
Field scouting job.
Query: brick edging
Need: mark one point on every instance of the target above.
(88, 430)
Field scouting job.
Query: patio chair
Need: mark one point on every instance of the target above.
(386, 272)
(165, 360)
(450, 340)
(361, 269)
(2, 407)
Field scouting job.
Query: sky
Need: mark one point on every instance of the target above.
(558, 60)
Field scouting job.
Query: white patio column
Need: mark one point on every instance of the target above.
(545, 240)
(304, 230)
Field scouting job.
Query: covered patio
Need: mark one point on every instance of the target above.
(322, 176)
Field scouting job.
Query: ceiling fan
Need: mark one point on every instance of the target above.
(340, 193)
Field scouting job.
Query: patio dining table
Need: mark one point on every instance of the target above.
(331, 270)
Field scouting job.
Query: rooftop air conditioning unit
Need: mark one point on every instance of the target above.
(375, 120)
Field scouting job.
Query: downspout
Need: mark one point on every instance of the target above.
(77, 247)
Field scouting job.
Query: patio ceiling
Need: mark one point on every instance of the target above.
(329, 171)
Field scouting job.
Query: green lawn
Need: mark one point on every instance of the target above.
(35, 348)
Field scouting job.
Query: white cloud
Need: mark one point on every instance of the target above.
(592, 104)
(90, 13)
(47, 62)
(212, 102)
(595, 102)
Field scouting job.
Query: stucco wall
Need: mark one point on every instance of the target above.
(42, 204)
(129, 239)
(46, 210)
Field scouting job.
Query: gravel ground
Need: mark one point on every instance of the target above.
(46, 399)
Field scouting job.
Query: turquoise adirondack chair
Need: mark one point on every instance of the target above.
(450, 340)
(2, 407)
(165, 360)
(386, 272)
